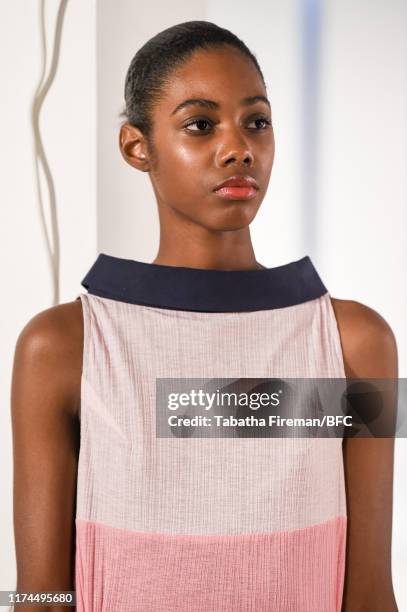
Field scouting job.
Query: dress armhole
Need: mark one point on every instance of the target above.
(332, 393)
(336, 338)
(86, 318)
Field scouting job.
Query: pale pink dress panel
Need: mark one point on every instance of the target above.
(279, 500)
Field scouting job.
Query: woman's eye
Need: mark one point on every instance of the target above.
(196, 122)
(265, 120)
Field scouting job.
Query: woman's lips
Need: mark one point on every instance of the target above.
(236, 193)
(238, 187)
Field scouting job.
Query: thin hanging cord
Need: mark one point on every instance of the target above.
(51, 237)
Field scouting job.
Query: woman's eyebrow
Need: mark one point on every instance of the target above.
(215, 105)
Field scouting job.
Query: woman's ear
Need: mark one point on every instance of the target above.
(133, 147)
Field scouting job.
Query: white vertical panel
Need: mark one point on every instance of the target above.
(363, 179)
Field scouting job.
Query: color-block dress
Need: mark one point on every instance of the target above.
(226, 524)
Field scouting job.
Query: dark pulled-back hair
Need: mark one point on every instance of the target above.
(153, 63)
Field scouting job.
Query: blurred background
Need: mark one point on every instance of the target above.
(337, 80)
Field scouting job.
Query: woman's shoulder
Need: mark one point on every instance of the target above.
(368, 341)
(49, 351)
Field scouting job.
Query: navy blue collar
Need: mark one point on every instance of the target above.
(204, 290)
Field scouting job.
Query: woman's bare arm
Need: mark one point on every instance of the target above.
(45, 396)
(370, 351)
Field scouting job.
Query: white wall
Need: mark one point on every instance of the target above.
(362, 203)
(69, 136)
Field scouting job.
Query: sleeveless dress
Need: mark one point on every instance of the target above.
(177, 524)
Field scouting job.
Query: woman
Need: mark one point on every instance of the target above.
(177, 523)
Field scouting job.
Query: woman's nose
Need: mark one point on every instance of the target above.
(238, 153)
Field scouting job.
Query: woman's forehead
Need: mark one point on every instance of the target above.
(219, 76)
(215, 63)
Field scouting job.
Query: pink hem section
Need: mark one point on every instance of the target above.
(300, 570)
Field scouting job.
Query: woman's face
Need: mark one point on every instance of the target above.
(198, 146)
